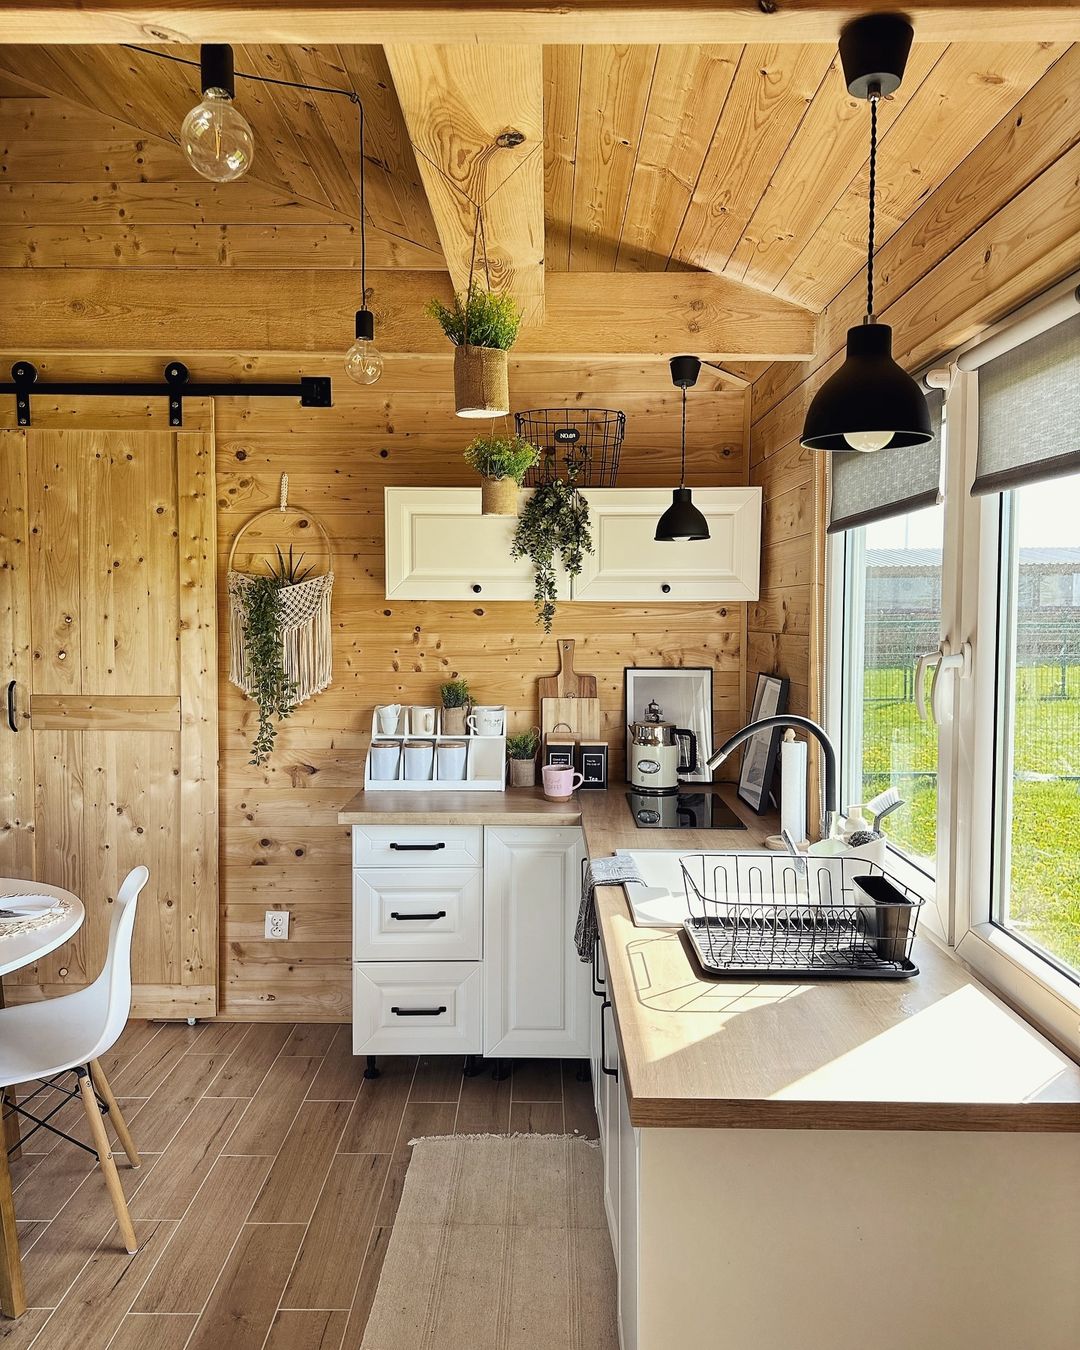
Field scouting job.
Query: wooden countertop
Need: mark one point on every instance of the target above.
(937, 1052)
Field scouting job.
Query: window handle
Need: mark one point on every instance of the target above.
(922, 664)
(948, 660)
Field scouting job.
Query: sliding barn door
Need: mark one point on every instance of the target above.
(108, 630)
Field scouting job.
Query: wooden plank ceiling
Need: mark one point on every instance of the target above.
(748, 161)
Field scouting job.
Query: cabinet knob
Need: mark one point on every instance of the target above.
(666, 588)
(477, 588)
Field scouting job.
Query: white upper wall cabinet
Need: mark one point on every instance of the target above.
(440, 547)
(628, 564)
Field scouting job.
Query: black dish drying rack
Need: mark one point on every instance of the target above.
(774, 916)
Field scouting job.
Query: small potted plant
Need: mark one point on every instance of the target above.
(555, 520)
(521, 752)
(483, 326)
(455, 702)
(502, 463)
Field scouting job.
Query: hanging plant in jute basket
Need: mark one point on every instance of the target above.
(280, 641)
(481, 381)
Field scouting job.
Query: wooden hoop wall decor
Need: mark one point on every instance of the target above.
(303, 616)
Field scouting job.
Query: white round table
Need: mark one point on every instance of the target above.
(23, 949)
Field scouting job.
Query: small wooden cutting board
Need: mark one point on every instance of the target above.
(568, 683)
(580, 715)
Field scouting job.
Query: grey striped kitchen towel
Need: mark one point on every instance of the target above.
(598, 872)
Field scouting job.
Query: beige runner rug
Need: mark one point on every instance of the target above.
(500, 1243)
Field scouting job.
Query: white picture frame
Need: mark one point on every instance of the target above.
(685, 694)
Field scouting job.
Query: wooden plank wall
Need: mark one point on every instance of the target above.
(1002, 227)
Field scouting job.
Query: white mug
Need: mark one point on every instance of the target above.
(384, 762)
(421, 720)
(387, 717)
(487, 721)
(419, 757)
(451, 755)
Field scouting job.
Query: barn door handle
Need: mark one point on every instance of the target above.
(11, 720)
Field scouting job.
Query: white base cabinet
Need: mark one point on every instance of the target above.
(463, 941)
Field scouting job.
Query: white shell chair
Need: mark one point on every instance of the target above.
(46, 1040)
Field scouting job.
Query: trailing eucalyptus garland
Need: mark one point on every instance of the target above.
(555, 520)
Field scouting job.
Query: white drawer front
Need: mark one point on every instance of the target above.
(418, 846)
(417, 1007)
(426, 914)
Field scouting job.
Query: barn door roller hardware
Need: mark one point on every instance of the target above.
(313, 391)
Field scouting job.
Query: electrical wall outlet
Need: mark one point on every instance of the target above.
(276, 924)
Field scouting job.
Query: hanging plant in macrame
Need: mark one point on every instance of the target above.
(279, 633)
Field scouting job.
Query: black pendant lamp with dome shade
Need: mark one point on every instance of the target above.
(871, 403)
(682, 520)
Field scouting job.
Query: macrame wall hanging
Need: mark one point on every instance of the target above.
(279, 628)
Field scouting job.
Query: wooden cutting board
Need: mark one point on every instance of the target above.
(568, 683)
(581, 715)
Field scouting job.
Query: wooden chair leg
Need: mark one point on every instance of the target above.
(11, 1125)
(100, 1142)
(105, 1092)
(12, 1293)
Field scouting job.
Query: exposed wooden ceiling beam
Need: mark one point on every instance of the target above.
(638, 314)
(487, 21)
(476, 120)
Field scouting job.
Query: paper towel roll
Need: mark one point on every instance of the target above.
(793, 787)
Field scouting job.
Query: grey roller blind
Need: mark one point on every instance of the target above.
(1029, 411)
(887, 483)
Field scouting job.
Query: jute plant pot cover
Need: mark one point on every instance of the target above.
(480, 381)
(453, 721)
(498, 497)
(523, 773)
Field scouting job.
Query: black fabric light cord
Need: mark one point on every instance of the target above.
(682, 462)
(873, 193)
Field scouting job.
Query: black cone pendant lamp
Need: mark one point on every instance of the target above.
(682, 519)
(871, 403)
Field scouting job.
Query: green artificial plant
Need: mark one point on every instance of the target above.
(455, 694)
(554, 521)
(502, 457)
(273, 691)
(480, 318)
(524, 745)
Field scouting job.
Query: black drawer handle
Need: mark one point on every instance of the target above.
(612, 1073)
(11, 706)
(477, 588)
(417, 848)
(404, 918)
(418, 1012)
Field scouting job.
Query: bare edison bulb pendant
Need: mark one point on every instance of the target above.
(217, 139)
(363, 360)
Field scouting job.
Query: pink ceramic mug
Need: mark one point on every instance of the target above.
(559, 782)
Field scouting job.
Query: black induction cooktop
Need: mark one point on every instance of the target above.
(682, 811)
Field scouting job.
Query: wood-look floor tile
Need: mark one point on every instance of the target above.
(181, 1282)
(342, 1072)
(578, 1104)
(18, 1334)
(244, 1072)
(246, 1296)
(185, 1163)
(365, 1290)
(266, 1121)
(438, 1079)
(75, 1234)
(219, 1038)
(419, 1120)
(151, 1331)
(135, 1037)
(310, 1038)
(103, 1291)
(537, 1118)
(333, 1249)
(307, 1330)
(537, 1080)
(376, 1117)
(145, 1073)
(28, 1231)
(49, 1187)
(484, 1107)
(292, 1188)
(159, 1118)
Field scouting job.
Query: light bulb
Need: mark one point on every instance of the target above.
(868, 440)
(363, 362)
(217, 139)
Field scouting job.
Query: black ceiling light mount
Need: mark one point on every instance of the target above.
(682, 520)
(871, 403)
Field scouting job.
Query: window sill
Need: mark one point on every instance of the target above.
(1049, 999)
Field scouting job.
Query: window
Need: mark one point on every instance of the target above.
(1036, 879)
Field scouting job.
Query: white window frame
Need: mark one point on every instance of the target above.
(961, 916)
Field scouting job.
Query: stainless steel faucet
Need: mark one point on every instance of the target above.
(828, 750)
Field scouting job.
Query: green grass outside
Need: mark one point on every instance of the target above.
(1044, 904)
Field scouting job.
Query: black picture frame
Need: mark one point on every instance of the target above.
(761, 751)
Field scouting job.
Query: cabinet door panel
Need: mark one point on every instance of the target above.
(416, 1007)
(628, 564)
(401, 914)
(628, 1226)
(536, 991)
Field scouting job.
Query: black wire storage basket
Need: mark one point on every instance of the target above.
(579, 445)
(770, 915)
